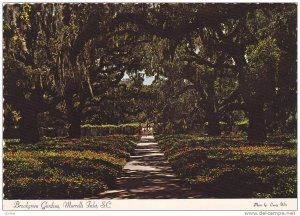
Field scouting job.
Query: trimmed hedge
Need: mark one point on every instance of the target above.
(86, 130)
(104, 130)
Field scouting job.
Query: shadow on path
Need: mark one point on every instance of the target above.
(148, 175)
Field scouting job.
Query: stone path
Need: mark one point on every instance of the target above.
(148, 175)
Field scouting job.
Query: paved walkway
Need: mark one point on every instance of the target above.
(148, 175)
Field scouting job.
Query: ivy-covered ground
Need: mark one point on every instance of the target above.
(230, 167)
(64, 168)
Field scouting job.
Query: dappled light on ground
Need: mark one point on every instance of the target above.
(148, 175)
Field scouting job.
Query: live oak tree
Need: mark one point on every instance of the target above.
(177, 109)
(283, 108)
(66, 46)
(102, 54)
(256, 55)
(216, 59)
(29, 72)
(163, 57)
(128, 102)
(234, 31)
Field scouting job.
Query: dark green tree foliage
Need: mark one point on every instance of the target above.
(102, 55)
(239, 37)
(283, 107)
(128, 102)
(177, 109)
(29, 72)
(66, 46)
(212, 62)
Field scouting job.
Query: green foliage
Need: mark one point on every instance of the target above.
(24, 16)
(229, 167)
(244, 121)
(70, 59)
(263, 57)
(62, 168)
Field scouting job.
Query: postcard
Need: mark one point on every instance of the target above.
(150, 106)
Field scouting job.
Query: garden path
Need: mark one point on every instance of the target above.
(148, 175)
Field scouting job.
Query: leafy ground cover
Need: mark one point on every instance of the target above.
(230, 167)
(64, 168)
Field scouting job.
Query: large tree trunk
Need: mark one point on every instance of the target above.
(257, 125)
(73, 113)
(212, 116)
(74, 117)
(213, 128)
(28, 127)
(75, 129)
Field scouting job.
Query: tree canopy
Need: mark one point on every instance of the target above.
(214, 65)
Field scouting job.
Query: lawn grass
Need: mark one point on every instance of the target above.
(229, 167)
(64, 168)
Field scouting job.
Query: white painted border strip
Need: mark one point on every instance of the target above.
(159, 204)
